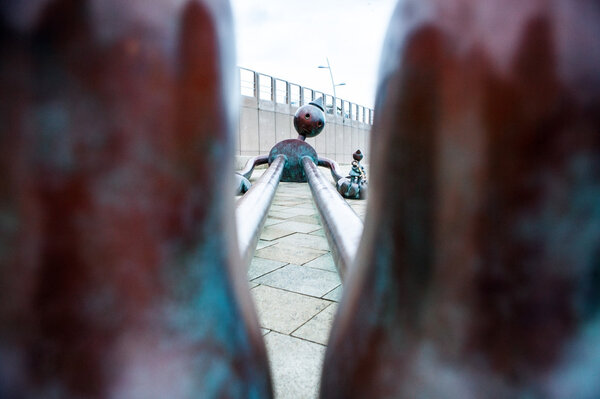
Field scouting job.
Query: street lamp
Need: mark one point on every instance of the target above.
(333, 85)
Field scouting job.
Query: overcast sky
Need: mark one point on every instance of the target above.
(289, 39)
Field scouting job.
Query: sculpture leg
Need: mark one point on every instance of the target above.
(477, 275)
(251, 210)
(119, 269)
(342, 226)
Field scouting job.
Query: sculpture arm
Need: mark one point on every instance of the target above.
(333, 167)
(251, 164)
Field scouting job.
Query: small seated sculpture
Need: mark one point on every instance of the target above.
(354, 186)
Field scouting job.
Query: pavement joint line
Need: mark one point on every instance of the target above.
(316, 314)
(280, 267)
(274, 239)
(304, 339)
(295, 292)
(327, 293)
(316, 268)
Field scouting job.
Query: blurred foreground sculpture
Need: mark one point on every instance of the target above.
(478, 274)
(118, 270)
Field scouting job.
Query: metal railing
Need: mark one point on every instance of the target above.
(268, 88)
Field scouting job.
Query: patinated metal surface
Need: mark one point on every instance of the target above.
(354, 186)
(119, 268)
(251, 164)
(342, 226)
(293, 150)
(242, 185)
(333, 167)
(242, 177)
(309, 119)
(252, 209)
(478, 272)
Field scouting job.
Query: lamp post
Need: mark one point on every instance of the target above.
(333, 85)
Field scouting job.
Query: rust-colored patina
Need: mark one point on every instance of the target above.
(309, 119)
(478, 275)
(119, 268)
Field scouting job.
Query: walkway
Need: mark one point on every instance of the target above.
(296, 289)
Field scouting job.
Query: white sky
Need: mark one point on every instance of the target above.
(289, 39)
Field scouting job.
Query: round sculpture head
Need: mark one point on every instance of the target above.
(309, 119)
(358, 156)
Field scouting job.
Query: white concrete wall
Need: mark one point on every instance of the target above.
(263, 123)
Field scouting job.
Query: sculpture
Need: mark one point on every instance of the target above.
(118, 278)
(354, 185)
(478, 271)
(309, 121)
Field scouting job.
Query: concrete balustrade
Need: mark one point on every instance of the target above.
(267, 109)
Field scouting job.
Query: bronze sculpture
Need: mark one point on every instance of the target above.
(309, 121)
(477, 273)
(117, 267)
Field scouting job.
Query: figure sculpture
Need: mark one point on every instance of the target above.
(309, 121)
(354, 186)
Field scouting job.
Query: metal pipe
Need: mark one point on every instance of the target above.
(343, 227)
(251, 210)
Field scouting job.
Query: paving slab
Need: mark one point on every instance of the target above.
(284, 311)
(263, 244)
(288, 200)
(323, 262)
(295, 366)
(300, 279)
(271, 221)
(334, 295)
(289, 254)
(306, 241)
(274, 232)
(319, 232)
(299, 211)
(298, 227)
(260, 266)
(298, 197)
(275, 207)
(314, 219)
(307, 205)
(317, 329)
(281, 214)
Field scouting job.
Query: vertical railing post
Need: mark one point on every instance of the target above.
(256, 84)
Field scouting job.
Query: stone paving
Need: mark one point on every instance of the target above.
(296, 289)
